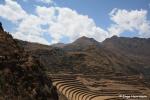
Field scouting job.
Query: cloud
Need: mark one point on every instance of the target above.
(30, 30)
(42, 1)
(28, 25)
(12, 11)
(47, 15)
(47, 1)
(65, 22)
(69, 23)
(134, 21)
(58, 23)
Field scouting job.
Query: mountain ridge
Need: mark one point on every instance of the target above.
(114, 55)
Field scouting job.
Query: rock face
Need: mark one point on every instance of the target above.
(22, 77)
(116, 55)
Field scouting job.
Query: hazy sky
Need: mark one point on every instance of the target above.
(52, 21)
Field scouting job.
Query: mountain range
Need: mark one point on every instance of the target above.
(115, 55)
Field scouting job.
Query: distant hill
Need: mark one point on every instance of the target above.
(59, 45)
(138, 47)
(115, 55)
(22, 77)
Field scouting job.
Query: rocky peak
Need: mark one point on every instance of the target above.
(82, 43)
(8, 46)
(85, 40)
(2, 33)
(1, 27)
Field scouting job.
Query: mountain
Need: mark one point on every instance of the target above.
(81, 43)
(85, 41)
(137, 50)
(32, 46)
(130, 46)
(115, 55)
(22, 77)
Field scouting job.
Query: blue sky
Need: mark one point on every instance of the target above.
(94, 16)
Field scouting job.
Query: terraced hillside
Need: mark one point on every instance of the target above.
(78, 87)
(86, 55)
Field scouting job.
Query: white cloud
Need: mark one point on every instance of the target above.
(30, 30)
(47, 1)
(42, 1)
(47, 15)
(61, 22)
(65, 22)
(28, 26)
(69, 23)
(12, 11)
(134, 20)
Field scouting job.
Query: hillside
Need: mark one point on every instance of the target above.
(22, 77)
(136, 48)
(91, 70)
(116, 55)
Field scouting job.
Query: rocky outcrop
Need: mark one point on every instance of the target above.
(22, 77)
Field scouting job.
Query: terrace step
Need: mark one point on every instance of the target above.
(73, 89)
